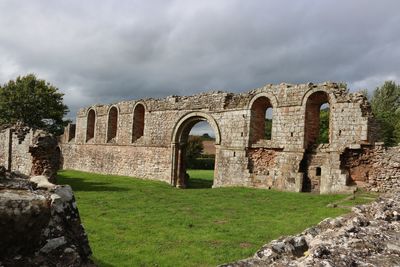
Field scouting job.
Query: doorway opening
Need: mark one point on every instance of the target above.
(195, 153)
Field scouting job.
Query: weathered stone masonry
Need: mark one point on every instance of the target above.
(29, 151)
(147, 138)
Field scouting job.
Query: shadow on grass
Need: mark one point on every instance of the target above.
(101, 263)
(79, 184)
(196, 183)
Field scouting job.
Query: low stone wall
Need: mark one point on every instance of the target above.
(368, 236)
(40, 227)
(385, 173)
(145, 162)
(374, 168)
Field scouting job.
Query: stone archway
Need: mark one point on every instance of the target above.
(178, 145)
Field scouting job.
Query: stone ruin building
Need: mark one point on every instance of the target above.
(147, 138)
(39, 221)
(29, 151)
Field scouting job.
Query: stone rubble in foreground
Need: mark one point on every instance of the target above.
(40, 224)
(368, 236)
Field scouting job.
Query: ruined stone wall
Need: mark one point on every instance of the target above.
(21, 159)
(4, 147)
(375, 168)
(156, 152)
(14, 149)
(29, 151)
(385, 174)
(144, 162)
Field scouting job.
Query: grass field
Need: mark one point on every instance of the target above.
(133, 222)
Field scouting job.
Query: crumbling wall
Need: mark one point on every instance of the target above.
(5, 137)
(261, 160)
(375, 168)
(15, 142)
(385, 174)
(262, 167)
(236, 120)
(29, 151)
(45, 153)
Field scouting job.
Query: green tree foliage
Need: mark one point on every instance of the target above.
(206, 136)
(194, 148)
(35, 102)
(268, 128)
(385, 105)
(323, 137)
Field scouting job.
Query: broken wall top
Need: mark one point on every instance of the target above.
(283, 95)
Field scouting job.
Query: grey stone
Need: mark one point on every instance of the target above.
(53, 244)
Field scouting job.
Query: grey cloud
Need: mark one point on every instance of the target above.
(112, 50)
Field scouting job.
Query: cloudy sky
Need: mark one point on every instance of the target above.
(106, 51)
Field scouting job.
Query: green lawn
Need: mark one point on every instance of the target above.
(133, 222)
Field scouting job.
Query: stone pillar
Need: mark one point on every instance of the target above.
(217, 156)
(174, 164)
(182, 179)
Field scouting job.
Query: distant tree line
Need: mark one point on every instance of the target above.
(385, 104)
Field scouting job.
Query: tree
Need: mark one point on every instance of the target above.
(206, 136)
(34, 102)
(385, 105)
(194, 148)
(323, 137)
(268, 129)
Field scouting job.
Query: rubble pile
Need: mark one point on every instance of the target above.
(40, 223)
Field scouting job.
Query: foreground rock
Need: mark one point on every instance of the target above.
(40, 227)
(368, 236)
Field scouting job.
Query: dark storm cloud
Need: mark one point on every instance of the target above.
(105, 51)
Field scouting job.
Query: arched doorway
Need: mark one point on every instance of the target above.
(138, 122)
(112, 125)
(180, 138)
(91, 124)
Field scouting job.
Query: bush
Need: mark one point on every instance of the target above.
(202, 163)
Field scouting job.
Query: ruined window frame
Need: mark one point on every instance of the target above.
(141, 121)
(308, 109)
(71, 132)
(94, 125)
(115, 137)
(260, 133)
